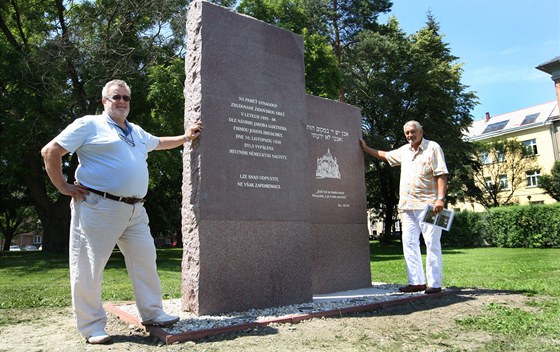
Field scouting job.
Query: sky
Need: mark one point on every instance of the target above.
(499, 43)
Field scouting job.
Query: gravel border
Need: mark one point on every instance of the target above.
(190, 322)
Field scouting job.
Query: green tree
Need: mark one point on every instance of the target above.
(165, 94)
(504, 163)
(333, 25)
(395, 78)
(16, 213)
(551, 183)
(54, 59)
(346, 19)
(322, 75)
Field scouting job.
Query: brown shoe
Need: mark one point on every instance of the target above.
(412, 288)
(163, 320)
(431, 290)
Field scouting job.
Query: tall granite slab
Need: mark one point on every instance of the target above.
(340, 255)
(246, 227)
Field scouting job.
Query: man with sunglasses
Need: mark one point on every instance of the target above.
(107, 207)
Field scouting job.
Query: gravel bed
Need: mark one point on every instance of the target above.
(191, 322)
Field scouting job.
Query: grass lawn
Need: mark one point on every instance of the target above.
(528, 270)
(37, 279)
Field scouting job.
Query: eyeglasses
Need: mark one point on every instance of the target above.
(128, 140)
(119, 97)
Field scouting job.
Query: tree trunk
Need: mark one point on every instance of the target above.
(387, 237)
(8, 237)
(388, 183)
(56, 227)
(12, 222)
(55, 216)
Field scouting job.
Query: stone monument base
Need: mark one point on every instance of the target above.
(335, 249)
(251, 264)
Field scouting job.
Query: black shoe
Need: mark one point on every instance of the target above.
(431, 290)
(412, 288)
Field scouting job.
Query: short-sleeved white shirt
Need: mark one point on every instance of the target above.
(418, 186)
(107, 162)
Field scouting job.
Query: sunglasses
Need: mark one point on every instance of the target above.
(119, 97)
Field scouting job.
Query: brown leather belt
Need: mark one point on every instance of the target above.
(127, 200)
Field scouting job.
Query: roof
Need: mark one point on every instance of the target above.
(537, 115)
(549, 65)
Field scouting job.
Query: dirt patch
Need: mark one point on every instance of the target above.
(426, 325)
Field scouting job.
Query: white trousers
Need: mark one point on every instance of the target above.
(412, 228)
(97, 225)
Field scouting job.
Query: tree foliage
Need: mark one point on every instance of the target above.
(55, 57)
(307, 18)
(551, 183)
(329, 27)
(395, 78)
(165, 94)
(17, 215)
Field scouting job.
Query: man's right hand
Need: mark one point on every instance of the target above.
(76, 191)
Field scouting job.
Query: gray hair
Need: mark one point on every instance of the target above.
(115, 82)
(415, 123)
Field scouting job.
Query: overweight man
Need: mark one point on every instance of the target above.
(107, 207)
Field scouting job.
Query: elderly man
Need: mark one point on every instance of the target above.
(108, 207)
(423, 182)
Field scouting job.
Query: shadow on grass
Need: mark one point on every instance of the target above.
(393, 251)
(168, 259)
(24, 262)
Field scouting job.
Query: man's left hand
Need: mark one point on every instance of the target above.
(194, 130)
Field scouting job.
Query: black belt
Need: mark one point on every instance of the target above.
(127, 200)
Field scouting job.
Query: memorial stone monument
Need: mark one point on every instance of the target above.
(340, 253)
(265, 222)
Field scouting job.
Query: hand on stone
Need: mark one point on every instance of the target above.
(194, 130)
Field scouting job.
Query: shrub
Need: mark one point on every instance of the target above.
(465, 230)
(529, 226)
(519, 226)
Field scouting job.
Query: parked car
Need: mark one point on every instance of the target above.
(14, 248)
(30, 248)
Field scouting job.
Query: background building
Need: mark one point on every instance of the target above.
(537, 128)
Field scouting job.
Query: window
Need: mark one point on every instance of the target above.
(530, 147)
(485, 158)
(503, 182)
(495, 126)
(488, 182)
(37, 239)
(530, 119)
(532, 178)
(500, 156)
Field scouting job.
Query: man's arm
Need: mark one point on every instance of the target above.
(379, 154)
(441, 181)
(173, 142)
(52, 156)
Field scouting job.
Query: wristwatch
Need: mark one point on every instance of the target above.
(442, 199)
